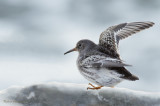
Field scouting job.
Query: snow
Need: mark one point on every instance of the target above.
(70, 94)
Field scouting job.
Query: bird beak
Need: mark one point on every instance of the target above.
(74, 49)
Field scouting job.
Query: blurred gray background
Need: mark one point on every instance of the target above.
(34, 34)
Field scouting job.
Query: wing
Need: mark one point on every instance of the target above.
(109, 63)
(96, 61)
(111, 36)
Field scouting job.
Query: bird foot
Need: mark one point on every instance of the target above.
(94, 88)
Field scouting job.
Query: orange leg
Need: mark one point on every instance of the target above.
(91, 85)
(94, 88)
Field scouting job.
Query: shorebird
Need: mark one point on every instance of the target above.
(101, 64)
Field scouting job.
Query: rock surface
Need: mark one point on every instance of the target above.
(68, 94)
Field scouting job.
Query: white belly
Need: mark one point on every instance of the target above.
(102, 77)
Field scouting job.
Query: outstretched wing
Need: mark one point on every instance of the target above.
(111, 36)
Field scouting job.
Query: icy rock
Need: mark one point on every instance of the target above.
(68, 94)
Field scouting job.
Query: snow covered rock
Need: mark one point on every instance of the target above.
(66, 94)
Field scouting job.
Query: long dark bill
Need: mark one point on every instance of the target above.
(74, 49)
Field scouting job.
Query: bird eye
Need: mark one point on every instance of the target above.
(79, 45)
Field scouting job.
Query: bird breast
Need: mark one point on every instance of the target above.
(100, 76)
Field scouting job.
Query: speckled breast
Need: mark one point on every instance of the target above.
(101, 76)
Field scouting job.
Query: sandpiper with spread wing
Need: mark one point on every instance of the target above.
(101, 64)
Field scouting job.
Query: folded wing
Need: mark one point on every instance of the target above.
(109, 63)
(101, 61)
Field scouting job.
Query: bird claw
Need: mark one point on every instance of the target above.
(94, 88)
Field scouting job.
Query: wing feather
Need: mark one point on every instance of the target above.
(111, 36)
(96, 61)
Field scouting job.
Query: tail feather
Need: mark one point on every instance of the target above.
(132, 78)
(126, 74)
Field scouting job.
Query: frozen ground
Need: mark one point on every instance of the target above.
(69, 94)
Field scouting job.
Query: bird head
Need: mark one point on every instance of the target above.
(82, 45)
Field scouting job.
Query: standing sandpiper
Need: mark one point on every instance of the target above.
(101, 64)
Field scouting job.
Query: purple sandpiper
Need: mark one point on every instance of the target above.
(101, 64)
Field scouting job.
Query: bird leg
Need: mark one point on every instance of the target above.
(91, 85)
(94, 88)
